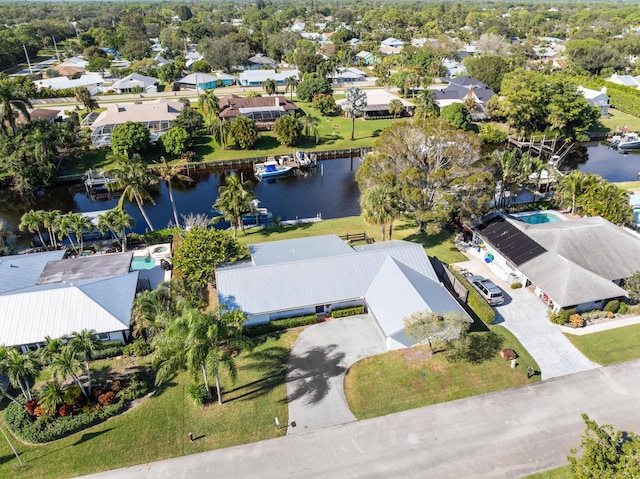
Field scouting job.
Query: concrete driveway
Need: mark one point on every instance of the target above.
(525, 316)
(318, 362)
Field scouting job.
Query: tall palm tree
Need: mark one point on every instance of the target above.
(12, 100)
(78, 225)
(51, 221)
(426, 106)
(220, 131)
(85, 344)
(21, 370)
(133, 178)
(379, 207)
(116, 221)
(234, 200)
(65, 364)
(52, 396)
(31, 221)
(395, 108)
(209, 104)
(270, 86)
(168, 173)
(507, 162)
(310, 127)
(355, 103)
(52, 347)
(572, 184)
(291, 84)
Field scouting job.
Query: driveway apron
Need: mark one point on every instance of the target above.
(318, 362)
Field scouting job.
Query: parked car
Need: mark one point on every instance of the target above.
(487, 289)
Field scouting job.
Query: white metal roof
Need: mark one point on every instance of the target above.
(23, 270)
(262, 75)
(296, 284)
(134, 80)
(298, 249)
(59, 83)
(197, 78)
(58, 309)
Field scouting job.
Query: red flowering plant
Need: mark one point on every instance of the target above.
(31, 406)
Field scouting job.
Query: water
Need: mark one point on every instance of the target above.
(599, 158)
(142, 262)
(330, 190)
(538, 217)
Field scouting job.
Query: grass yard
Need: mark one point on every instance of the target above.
(629, 185)
(440, 245)
(395, 381)
(563, 472)
(158, 428)
(609, 347)
(617, 119)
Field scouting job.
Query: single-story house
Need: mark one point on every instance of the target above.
(69, 71)
(378, 104)
(391, 42)
(264, 110)
(43, 295)
(92, 82)
(453, 68)
(626, 80)
(355, 43)
(366, 57)
(461, 89)
(318, 274)
(597, 98)
(45, 114)
(578, 263)
(156, 115)
(135, 80)
(347, 75)
(258, 77)
(260, 61)
(198, 81)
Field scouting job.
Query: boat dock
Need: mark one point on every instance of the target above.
(94, 180)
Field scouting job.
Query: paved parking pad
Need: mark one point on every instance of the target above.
(318, 362)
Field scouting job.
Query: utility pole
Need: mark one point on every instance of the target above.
(27, 55)
(55, 45)
(11, 445)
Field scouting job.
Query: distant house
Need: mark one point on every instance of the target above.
(297, 27)
(258, 77)
(259, 61)
(263, 110)
(392, 280)
(392, 42)
(198, 81)
(461, 89)
(135, 81)
(192, 56)
(157, 117)
(378, 104)
(92, 82)
(355, 43)
(453, 68)
(577, 263)
(626, 80)
(347, 75)
(43, 114)
(365, 57)
(43, 295)
(597, 98)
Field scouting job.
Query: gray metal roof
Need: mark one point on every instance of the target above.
(306, 282)
(55, 310)
(299, 249)
(86, 267)
(397, 291)
(23, 270)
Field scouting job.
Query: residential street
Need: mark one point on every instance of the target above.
(506, 434)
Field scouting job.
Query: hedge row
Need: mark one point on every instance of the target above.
(623, 98)
(279, 325)
(476, 302)
(343, 313)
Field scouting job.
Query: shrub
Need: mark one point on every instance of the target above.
(31, 406)
(198, 393)
(343, 313)
(65, 410)
(576, 320)
(138, 348)
(624, 307)
(476, 302)
(475, 348)
(595, 314)
(108, 350)
(325, 104)
(556, 317)
(107, 398)
(492, 134)
(516, 285)
(612, 306)
(280, 324)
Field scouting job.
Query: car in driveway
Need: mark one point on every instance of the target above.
(487, 289)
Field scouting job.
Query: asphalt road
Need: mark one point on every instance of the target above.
(507, 434)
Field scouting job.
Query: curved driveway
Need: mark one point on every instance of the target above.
(318, 362)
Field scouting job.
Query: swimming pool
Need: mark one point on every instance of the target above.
(142, 262)
(538, 217)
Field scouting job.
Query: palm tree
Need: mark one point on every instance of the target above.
(220, 131)
(310, 127)
(209, 104)
(21, 370)
(426, 106)
(85, 344)
(65, 364)
(133, 178)
(51, 221)
(234, 200)
(355, 103)
(168, 173)
(395, 108)
(507, 162)
(51, 348)
(12, 100)
(31, 221)
(572, 184)
(379, 207)
(52, 396)
(291, 84)
(270, 86)
(116, 221)
(78, 225)
(83, 96)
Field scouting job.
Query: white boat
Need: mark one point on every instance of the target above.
(630, 141)
(305, 160)
(271, 169)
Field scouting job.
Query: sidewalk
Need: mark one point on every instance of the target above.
(596, 328)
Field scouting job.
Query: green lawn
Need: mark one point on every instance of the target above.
(629, 185)
(158, 428)
(334, 132)
(563, 472)
(396, 381)
(617, 119)
(610, 347)
(440, 245)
